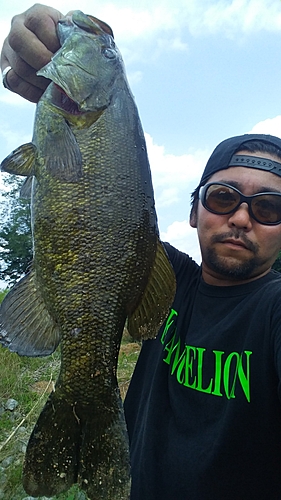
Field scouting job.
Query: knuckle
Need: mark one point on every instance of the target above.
(32, 21)
(26, 90)
(15, 40)
(22, 70)
(32, 94)
(13, 80)
(34, 16)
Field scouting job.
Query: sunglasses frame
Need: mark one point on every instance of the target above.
(243, 199)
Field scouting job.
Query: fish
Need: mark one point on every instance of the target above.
(98, 262)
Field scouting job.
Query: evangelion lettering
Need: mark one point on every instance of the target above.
(187, 365)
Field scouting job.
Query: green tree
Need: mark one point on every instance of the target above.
(15, 231)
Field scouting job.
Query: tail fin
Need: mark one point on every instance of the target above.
(70, 444)
(52, 452)
(104, 470)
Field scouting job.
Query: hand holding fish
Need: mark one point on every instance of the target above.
(28, 47)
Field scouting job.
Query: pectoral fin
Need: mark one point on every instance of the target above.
(64, 161)
(58, 147)
(157, 298)
(21, 161)
(26, 326)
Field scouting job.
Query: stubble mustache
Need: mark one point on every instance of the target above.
(236, 234)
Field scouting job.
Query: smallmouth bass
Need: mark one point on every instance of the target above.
(97, 261)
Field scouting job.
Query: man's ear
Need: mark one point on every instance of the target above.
(193, 218)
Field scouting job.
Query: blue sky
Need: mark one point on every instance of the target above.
(200, 71)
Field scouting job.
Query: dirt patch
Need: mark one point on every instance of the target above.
(131, 347)
(42, 386)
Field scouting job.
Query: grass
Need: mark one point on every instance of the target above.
(28, 381)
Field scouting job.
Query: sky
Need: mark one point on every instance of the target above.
(200, 71)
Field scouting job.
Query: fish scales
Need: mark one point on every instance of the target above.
(86, 285)
(97, 262)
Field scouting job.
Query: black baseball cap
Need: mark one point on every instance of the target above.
(224, 156)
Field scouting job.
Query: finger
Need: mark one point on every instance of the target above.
(21, 78)
(20, 68)
(25, 89)
(29, 46)
(34, 48)
(42, 21)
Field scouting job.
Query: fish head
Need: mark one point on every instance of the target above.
(87, 69)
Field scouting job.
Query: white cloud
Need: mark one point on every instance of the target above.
(134, 77)
(174, 177)
(146, 18)
(270, 126)
(183, 237)
(200, 17)
(171, 44)
(235, 17)
(143, 18)
(172, 168)
(173, 174)
(11, 139)
(167, 197)
(7, 97)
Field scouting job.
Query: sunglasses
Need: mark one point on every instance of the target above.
(222, 199)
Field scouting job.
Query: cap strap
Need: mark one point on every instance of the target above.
(256, 162)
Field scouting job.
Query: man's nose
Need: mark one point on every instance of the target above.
(241, 218)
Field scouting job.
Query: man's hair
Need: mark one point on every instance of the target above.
(254, 146)
(260, 147)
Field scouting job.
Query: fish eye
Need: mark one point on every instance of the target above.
(109, 53)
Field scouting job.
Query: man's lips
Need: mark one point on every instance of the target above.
(235, 243)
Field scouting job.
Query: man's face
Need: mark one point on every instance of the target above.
(235, 248)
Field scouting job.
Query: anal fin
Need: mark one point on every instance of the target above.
(157, 299)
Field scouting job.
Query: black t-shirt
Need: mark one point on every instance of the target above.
(203, 408)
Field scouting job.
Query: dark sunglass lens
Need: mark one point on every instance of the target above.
(267, 208)
(221, 199)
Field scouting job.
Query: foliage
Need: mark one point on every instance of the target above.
(3, 293)
(26, 381)
(15, 232)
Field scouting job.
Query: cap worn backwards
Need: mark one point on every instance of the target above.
(224, 156)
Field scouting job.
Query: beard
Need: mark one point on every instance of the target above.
(230, 267)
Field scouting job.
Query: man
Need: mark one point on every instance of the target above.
(203, 408)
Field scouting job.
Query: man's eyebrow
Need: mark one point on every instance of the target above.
(262, 189)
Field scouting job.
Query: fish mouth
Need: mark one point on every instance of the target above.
(61, 100)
